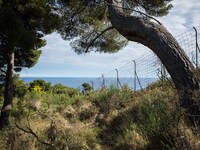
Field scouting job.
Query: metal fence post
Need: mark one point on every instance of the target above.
(135, 76)
(117, 78)
(197, 47)
(92, 85)
(103, 84)
(118, 81)
(163, 73)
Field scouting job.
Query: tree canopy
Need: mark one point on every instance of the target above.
(22, 27)
(89, 22)
(23, 24)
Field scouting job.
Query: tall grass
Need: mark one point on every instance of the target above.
(108, 119)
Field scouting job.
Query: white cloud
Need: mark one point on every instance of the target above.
(183, 16)
(58, 59)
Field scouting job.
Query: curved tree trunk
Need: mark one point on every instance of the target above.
(162, 43)
(8, 96)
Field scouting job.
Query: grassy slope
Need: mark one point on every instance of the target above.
(106, 119)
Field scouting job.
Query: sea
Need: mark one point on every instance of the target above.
(74, 82)
(95, 82)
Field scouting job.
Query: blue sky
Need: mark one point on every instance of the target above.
(59, 60)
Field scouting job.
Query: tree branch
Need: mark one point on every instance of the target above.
(30, 131)
(137, 12)
(94, 39)
(3, 71)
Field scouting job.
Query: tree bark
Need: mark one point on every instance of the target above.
(156, 37)
(160, 41)
(8, 95)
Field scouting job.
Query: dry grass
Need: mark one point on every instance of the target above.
(102, 120)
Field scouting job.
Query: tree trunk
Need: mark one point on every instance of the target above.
(162, 43)
(8, 95)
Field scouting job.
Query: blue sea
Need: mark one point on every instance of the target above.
(96, 83)
(74, 82)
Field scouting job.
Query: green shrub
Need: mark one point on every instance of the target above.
(158, 117)
(86, 87)
(20, 88)
(59, 89)
(123, 132)
(72, 91)
(41, 83)
(33, 95)
(160, 84)
(20, 108)
(154, 119)
(113, 98)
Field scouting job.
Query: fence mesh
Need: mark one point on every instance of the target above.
(138, 73)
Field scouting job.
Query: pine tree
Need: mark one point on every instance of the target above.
(107, 25)
(22, 26)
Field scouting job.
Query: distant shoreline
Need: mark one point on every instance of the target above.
(95, 82)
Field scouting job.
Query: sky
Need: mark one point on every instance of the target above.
(59, 60)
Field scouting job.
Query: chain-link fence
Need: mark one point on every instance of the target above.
(138, 73)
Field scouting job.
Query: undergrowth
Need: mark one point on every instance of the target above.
(117, 119)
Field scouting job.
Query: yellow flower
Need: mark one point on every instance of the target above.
(37, 89)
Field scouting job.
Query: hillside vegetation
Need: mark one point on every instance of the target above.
(61, 118)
